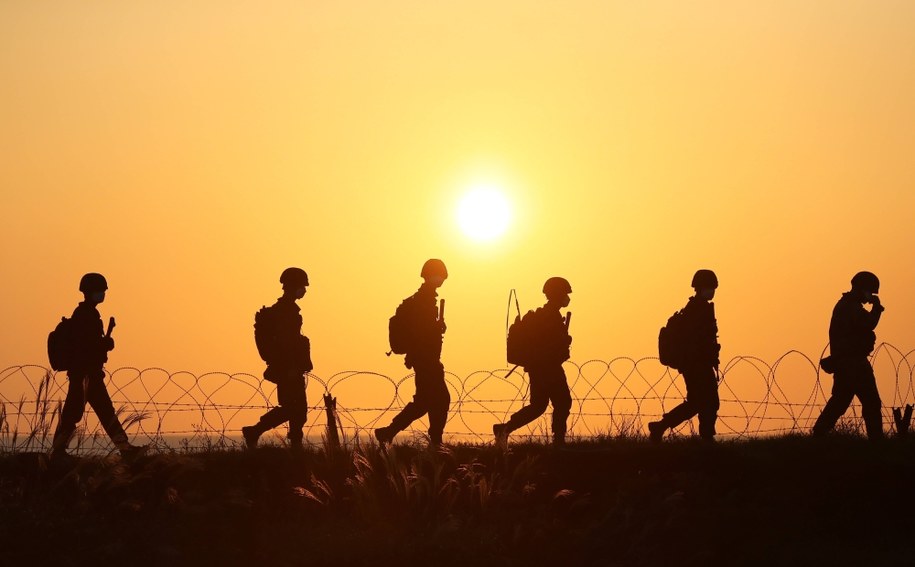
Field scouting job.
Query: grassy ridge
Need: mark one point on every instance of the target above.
(786, 501)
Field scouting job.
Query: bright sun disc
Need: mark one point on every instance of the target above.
(483, 214)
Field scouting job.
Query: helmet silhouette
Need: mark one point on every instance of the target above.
(434, 267)
(294, 277)
(556, 286)
(705, 279)
(93, 282)
(866, 281)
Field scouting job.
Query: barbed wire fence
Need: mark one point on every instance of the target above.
(616, 397)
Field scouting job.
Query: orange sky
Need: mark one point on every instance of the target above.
(191, 151)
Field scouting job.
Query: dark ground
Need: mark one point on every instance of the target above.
(787, 501)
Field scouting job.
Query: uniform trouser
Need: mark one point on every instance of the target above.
(853, 378)
(548, 385)
(431, 397)
(290, 394)
(87, 386)
(701, 400)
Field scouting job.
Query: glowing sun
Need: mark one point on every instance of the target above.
(483, 213)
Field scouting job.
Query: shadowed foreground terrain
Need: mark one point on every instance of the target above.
(787, 501)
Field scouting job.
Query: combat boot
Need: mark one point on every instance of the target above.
(251, 435)
(384, 435)
(129, 451)
(500, 432)
(656, 431)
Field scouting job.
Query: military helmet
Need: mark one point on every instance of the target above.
(556, 286)
(92, 282)
(866, 281)
(434, 267)
(294, 277)
(703, 279)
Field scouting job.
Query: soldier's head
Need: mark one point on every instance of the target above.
(557, 291)
(705, 282)
(434, 272)
(866, 285)
(93, 287)
(294, 281)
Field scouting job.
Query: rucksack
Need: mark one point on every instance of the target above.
(265, 333)
(672, 345)
(521, 341)
(399, 329)
(521, 336)
(60, 345)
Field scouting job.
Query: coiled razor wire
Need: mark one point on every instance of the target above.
(616, 397)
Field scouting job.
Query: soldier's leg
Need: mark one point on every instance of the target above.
(540, 399)
(72, 412)
(561, 398)
(292, 397)
(686, 410)
(705, 390)
(870, 401)
(275, 416)
(98, 398)
(438, 404)
(425, 386)
(842, 393)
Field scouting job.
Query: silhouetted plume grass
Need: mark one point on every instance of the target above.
(45, 414)
(787, 501)
(42, 420)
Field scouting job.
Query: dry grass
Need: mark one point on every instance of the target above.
(792, 500)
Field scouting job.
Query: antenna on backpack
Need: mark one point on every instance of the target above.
(508, 309)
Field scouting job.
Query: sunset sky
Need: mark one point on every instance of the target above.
(190, 151)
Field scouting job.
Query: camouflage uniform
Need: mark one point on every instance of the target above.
(851, 340)
(287, 367)
(547, 377)
(698, 369)
(87, 379)
(424, 357)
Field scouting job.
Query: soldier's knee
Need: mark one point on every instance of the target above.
(539, 407)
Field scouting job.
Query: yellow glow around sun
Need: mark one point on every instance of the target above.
(484, 213)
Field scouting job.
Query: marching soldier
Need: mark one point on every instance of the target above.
(88, 346)
(418, 329)
(548, 342)
(699, 364)
(278, 334)
(851, 340)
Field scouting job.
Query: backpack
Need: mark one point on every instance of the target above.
(521, 341)
(265, 333)
(61, 350)
(399, 330)
(672, 341)
(521, 336)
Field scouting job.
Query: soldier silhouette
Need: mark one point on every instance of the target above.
(279, 339)
(851, 340)
(88, 347)
(418, 326)
(546, 334)
(699, 362)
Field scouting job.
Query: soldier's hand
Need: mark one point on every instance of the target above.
(444, 326)
(109, 343)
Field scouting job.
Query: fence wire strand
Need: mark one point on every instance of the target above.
(615, 397)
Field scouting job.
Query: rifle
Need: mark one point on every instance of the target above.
(111, 326)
